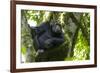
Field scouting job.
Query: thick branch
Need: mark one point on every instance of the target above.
(84, 32)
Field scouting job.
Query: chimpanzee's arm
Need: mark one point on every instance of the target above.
(39, 30)
(58, 40)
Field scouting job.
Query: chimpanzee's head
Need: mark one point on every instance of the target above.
(56, 28)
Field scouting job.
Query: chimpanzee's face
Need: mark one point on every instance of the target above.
(56, 29)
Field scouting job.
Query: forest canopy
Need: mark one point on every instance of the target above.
(76, 29)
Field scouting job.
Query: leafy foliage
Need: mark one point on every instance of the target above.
(81, 50)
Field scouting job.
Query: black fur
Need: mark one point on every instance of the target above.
(47, 36)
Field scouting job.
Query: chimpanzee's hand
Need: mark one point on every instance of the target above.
(48, 43)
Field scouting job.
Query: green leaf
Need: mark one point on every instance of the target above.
(23, 50)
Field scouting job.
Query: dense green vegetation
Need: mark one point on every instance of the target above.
(76, 29)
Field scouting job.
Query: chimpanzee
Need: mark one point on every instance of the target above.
(47, 35)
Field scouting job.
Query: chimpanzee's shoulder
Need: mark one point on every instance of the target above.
(45, 25)
(46, 22)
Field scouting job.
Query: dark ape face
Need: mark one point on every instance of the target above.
(56, 28)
